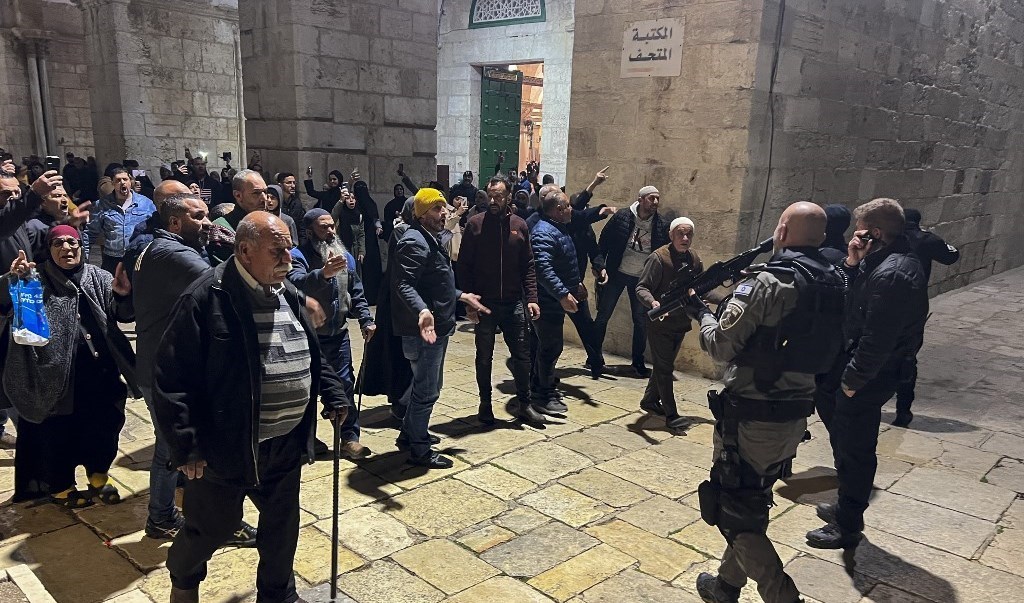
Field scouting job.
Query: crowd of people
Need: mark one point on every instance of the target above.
(241, 293)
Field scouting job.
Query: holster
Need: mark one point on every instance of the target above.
(709, 496)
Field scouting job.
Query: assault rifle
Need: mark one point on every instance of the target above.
(718, 274)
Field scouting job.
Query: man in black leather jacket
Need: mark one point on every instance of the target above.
(235, 384)
(886, 307)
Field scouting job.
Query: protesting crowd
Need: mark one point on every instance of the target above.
(241, 292)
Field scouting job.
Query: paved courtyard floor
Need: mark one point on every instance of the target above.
(601, 508)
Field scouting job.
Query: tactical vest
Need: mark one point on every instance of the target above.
(807, 339)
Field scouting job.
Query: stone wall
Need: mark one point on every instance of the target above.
(918, 100)
(464, 50)
(687, 135)
(167, 81)
(342, 85)
(59, 26)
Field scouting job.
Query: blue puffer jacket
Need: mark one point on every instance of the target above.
(112, 226)
(554, 255)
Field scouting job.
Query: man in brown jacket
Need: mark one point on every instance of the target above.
(662, 270)
(496, 262)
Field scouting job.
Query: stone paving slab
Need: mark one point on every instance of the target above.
(600, 507)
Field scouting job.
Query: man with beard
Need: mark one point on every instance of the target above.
(235, 387)
(465, 188)
(164, 269)
(322, 268)
(497, 264)
(423, 313)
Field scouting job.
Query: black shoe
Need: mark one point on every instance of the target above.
(552, 406)
(903, 419)
(243, 538)
(433, 461)
(826, 512)
(485, 414)
(678, 425)
(654, 408)
(713, 590)
(403, 444)
(831, 536)
(642, 372)
(527, 414)
(320, 448)
(595, 369)
(165, 530)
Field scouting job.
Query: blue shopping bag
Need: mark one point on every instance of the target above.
(29, 325)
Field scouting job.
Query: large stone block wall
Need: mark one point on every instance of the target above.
(464, 50)
(687, 135)
(919, 100)
(168, 79)
(67, 68)
(342, 85)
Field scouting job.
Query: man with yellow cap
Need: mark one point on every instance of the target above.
(423, 299)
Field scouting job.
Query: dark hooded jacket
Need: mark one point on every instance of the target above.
(834, 248)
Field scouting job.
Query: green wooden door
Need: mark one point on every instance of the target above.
(501, 101)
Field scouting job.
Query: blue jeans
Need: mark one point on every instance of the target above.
(607, 297)
(427, 362)
(337, 350)
(162, 481)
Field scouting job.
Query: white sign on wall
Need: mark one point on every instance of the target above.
(652, 48)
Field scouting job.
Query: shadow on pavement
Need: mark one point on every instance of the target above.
(874, 563)
(932, 424)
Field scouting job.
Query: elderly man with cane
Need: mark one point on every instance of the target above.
(237, 375)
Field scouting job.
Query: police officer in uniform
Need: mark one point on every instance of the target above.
(781, 324)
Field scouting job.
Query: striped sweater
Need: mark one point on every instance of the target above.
(285, 359)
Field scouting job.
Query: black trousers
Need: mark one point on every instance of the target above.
(511, 318)
(852, 424)
(549, 341)
(587, 329)
(48, 453)
(213, 510)
(908, 377)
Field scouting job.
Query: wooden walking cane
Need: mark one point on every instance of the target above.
(337, 482)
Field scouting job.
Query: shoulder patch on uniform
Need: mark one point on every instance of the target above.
(744, 289)
(950, 248)
(733, 312)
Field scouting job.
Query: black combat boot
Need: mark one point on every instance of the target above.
(903, 418)
(485, 414)
(826, 512)
(713, 589)
(831, 536)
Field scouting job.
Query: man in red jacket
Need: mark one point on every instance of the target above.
(496, 262)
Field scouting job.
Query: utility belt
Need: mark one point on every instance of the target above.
(736, 496)
(730, 410)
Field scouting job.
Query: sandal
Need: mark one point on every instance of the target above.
(108, 494)
(76, 499)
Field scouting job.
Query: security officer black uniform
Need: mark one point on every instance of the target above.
(781, 324)
(928, 247)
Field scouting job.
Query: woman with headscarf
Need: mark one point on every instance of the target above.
(325, 199)
(348, 223)
(69, 392)
(373, 229)
(274, 195)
